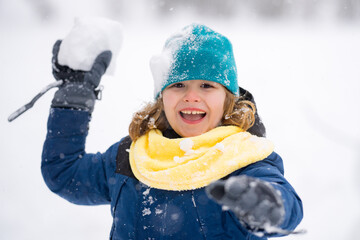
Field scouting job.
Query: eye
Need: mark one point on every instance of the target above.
(206, 85)
(177, 85)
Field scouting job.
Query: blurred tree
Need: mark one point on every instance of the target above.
(135, 10)
(216, 8)
(166, 7)
(121, 10)
(310, 8)
(213, 8)
(349, 9)
(43, 9)
(269, 8)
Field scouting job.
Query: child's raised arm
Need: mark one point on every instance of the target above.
(67, 170)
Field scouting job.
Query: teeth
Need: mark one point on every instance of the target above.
(192, 112)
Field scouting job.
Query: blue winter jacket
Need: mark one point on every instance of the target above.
(140, 212)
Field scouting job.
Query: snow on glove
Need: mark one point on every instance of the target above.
(79, 88)
(256, 203)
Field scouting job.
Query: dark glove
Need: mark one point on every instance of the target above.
(79, 88)
(256, 203)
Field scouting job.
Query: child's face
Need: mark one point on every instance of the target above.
(194, 107)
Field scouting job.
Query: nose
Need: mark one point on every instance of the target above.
(191, 95)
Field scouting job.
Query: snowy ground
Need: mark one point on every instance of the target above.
(305, 78)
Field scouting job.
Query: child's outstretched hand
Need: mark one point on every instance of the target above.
(256, 203)
(79, 88)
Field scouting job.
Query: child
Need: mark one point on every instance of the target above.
(195, 164)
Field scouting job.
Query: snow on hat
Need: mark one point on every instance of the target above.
(196, 52)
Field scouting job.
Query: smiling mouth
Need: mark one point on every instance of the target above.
(192, 116)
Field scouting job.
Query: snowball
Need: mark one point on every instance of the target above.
(146, 192)
(225, 208)
(220, 147)
(186, 144)
(87, 39)
(151, 123)
(158, 211)
(146, 211)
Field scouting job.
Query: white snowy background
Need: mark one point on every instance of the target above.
(303, 69)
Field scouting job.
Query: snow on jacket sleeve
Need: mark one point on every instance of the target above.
(271, 170)
(68, 171)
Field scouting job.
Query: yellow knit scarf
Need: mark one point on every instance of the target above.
(190, 163)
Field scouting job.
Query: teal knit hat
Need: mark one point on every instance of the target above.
(196, 52)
